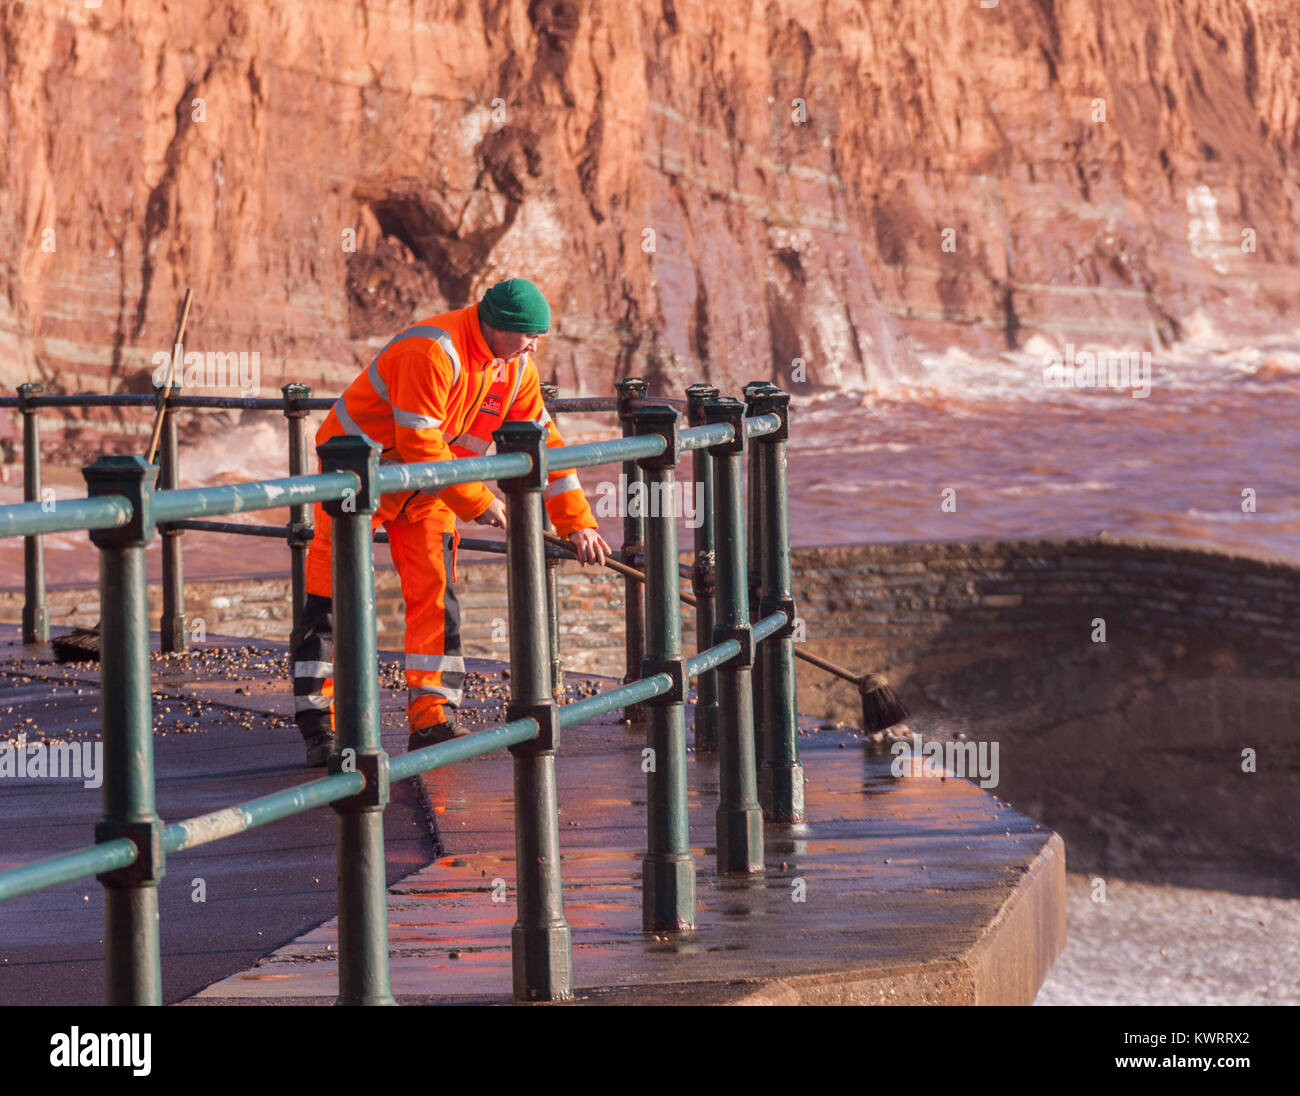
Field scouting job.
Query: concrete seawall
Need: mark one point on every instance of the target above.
(1131, 687)
(1144, 696)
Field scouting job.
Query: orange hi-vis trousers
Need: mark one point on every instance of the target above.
(424, 557)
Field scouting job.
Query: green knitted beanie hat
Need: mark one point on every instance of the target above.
(515, 305)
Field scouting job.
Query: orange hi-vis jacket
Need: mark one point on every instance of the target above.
(435, 392)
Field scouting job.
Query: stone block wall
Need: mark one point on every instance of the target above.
(861, 603)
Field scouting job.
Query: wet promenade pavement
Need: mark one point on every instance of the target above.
(893, 890)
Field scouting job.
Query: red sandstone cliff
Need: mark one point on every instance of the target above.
(703, 190)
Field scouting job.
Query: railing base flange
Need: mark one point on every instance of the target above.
(542, 963)
(668, 893)
(780, 791)
(740, 840)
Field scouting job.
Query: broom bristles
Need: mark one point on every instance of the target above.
(881, 708)
(79, 645)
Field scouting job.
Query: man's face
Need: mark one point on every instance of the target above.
(509, 344)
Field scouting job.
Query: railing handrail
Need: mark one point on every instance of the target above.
(23, 519)
(187, 503)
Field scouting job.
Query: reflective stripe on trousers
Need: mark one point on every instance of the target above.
(312, 651)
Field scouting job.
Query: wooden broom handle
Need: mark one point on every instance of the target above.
(610, 562)
(171, 373)
(689, 599)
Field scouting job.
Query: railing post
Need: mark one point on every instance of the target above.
(540, 945)
(753, 539)
(668, 870)
(36, 621)
(300, 517)
(704, 575)
(739, 818)
(549, 392)
(173, 628)
(782, 783)
(363, 892)
(633, 545)
(132, 956)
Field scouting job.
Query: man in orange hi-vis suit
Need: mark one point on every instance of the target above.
(435, 392)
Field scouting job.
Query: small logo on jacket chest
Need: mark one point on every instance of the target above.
(492, 405)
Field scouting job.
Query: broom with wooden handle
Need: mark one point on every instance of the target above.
(881, 708)
(82, 644)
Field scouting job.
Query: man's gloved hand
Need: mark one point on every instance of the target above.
(591, 546)
(493, 515)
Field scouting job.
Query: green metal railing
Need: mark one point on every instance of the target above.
(124, 510)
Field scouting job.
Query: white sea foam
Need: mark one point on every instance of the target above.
(257, 448)
(1052, 487)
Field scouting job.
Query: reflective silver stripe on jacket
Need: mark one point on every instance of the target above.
(438, 335)
(559, 486)
(313, 670)
(519, 377)
(473, 443)
(315, 703)
(376, 381)
(443, 339)
(412, 421)
(345, 420)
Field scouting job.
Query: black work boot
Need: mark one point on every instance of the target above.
(431, 736)
(319, 747)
